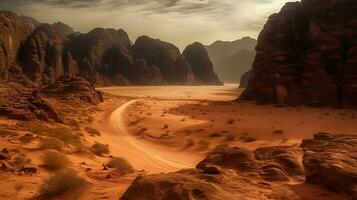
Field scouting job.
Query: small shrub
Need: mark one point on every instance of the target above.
(121, 165)
(278, 132)
(215, 134)
(27, 138)
(230, 121)
(100, 149)
(92, 131)
(230, 138)
(66, 183)
(54, 161)
(50, 143)
(248, 139)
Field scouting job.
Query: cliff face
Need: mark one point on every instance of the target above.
(202, 67)
(307, 54)
(174, 67)
(12, 32)
(34, 53)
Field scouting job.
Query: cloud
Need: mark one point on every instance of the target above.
(177, 21)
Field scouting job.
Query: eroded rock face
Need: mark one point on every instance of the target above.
(13, 31)
(201, 65)
(306, 54)
(102, 54)
(74, 89)
(227, 173)
(174, 67)
(42, 56)
(331, 161)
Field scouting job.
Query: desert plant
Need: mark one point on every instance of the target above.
(27, 138)
(92, 131)
(66, 183)
(278, 132)
(121, 165)
(230, 121)
(50, 143)
(215, 134)
(230, 137)
(53, 160)
(100, 149)
(247, 139)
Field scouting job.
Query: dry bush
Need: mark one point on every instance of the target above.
(215, 134)
(66, 184)
(121, 165)
(230, 121)
(278, 132)
(27, 138)
(50, 143)
(247, 138)
(92, 131)
(230, 138)
(53, 160)
(100, 149)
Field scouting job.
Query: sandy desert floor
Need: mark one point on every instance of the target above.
(164, 129)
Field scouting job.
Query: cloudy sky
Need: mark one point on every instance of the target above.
(178, 21)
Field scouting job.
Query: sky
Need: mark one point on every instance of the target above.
(181, 22)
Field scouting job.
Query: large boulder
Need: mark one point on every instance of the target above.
(331, 161)
(74, 89)
(306, 54)
(102, 54)
(13, 31)
(226, 173)
(201, 65)
(174, 67)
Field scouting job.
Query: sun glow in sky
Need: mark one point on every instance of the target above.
(177, 21)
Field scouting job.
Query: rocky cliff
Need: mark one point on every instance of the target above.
(306, 54)
(34, 53)
(201, 65)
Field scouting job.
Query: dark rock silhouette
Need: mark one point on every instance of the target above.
(201, 65)
(232, 59)
(173, 66)
(244, 80)
(306, 54)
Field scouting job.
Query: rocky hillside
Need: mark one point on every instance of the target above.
(232, 59)
(35, 53)
(306, 54)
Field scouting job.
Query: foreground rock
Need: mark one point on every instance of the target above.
(227, 173)
(74, 89)
(306, 54)
(331, 161)
(201, 65)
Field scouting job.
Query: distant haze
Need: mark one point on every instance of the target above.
(178, 21)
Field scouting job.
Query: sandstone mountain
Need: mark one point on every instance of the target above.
(306, 54)
(232, 59)
(34, 53)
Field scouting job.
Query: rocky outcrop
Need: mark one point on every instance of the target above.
(42, 56)
(226, 173)
(244, 80)
(201, 65)
(13, 31)
(102, 54)
(330, 161)
(173, 66)
(73, 89)
(306, 54)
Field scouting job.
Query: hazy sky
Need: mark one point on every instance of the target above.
(178, 21)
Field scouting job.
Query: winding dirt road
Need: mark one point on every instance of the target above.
(142, 155)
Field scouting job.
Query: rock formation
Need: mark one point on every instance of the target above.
(73, 89)
(232, 59)
(227, 173)
(244, 80)
(102, 54)
(174, 67)
(12, 32)
(330, 160)
(201, 65)
(306, 54)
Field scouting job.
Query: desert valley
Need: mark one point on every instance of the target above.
(94, 115)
